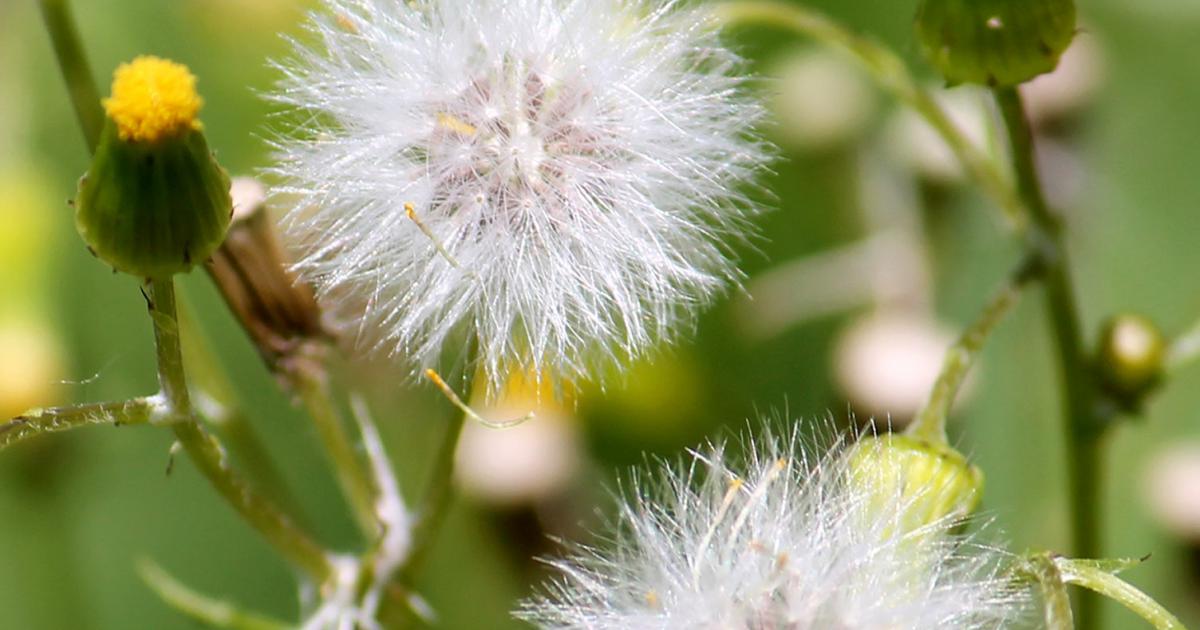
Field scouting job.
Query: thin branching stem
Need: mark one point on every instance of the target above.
(1053, 573)
(39, 421)
(212, 612)
(1083, 425)
(209, 456)
(216, 401)
(930, 423)
(81, 86)
(1100, 576)
(891, 73)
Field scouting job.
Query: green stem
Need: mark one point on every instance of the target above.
(1084, 427)
(209, 611)
(439, 493)
(930, 423)
(75, 70)
(208, 454)
(1056, 603)
(1100, 577)
(312, 385)
(38, 421)
(217, 402)
(890, 72)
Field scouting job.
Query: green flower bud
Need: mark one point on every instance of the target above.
(998, 43)
(1132, 353)
(154, 202)
(930, 481)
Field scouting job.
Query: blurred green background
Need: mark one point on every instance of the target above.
(77, 510)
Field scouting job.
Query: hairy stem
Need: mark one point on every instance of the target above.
(890, 72)
(75, 70)
(1083, 425)
(930, 423)
(207, 453)
(38, 421)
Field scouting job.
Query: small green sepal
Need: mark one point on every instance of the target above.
(153, 208)
(997, 43)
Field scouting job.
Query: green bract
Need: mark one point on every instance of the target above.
(932, 481)
(153, 209)
(998, 43)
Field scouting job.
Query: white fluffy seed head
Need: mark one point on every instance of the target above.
(573, 169)
(786, 540)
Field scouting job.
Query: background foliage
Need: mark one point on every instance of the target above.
(77, 510)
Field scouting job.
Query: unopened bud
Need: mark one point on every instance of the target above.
(929, 482)
(998, 43)
(1132, 354)
(154, 202)
(250, 269)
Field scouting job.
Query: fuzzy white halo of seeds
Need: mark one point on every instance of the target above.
(573, 169)
(781, 539)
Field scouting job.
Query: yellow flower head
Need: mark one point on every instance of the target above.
(153, 98)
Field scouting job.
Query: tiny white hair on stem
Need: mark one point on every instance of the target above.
(561, 180)
(780, 538)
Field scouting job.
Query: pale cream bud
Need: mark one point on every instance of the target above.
(1172, 490)
(912, 141)
(886, 363)
(823, 100)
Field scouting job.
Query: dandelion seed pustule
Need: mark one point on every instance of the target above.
(787, 539)
(572, 168)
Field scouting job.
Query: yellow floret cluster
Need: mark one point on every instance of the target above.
(152, 99)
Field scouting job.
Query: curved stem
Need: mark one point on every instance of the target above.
(1056, 603)
(1083, 425)
(38, 421)
(890, 72)
(930, 423)
(75, 70)
(208, 454)
(1100, 576)
(211, 612)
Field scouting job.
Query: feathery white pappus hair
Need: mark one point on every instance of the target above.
(572, 165)
(785, 541)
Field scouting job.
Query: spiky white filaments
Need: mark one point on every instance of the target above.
(572, 167)
(789, 541)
